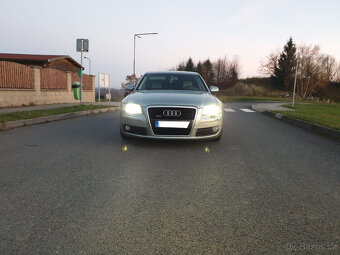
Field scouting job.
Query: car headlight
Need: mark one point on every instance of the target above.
(211, 112)
(132, 108)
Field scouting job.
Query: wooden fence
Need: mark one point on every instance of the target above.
(87, 81)
(52, 79)
(18, 76)
(15, 76)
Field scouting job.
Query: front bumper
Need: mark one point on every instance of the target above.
(140, 126)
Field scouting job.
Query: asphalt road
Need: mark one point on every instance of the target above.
(72, 187)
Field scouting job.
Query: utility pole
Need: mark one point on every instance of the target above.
(82, 46)
(89, 64)
(296, 68)
(81, 72)
(99, 76)
(134, 50)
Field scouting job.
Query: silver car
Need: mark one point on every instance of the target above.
(171, 105)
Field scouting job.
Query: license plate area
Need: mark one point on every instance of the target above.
(171, 124)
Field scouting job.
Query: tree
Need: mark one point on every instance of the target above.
(199, 68)
(222, 72)
(226, 72)
(283, 76)
(130, 79)
(315, 71)
(181, 66)
(189, 65)
(337, 73)
(208, 72)
(329, 67)
(268, 67)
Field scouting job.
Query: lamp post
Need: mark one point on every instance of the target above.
(134, 49)
(296, 69)
(89, 64)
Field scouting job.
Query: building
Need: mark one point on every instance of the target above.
(61, 62)
(31, 79)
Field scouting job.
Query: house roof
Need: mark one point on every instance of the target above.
(36, 58)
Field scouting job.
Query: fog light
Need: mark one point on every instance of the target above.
(127, 128)
(215, 129)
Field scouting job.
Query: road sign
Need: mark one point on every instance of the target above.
(101, 77)
(82, 45)
(104, 80)
(107, 80)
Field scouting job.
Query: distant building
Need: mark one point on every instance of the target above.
(61, 62)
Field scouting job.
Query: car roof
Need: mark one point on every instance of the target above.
(172, 72)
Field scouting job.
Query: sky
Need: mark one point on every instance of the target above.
(199, 29)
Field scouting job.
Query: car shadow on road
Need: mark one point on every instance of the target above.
(154, 143)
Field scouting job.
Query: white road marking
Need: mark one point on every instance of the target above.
(246, 110)
(228, 110)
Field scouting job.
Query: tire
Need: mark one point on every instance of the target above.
(217, 139)
(124, 136)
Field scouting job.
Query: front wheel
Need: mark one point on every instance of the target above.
(123, 136)
(218, 138)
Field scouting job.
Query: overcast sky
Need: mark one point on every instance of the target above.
(200, 29)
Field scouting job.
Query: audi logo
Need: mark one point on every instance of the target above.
(172, 113)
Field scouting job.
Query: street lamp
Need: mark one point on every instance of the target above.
(134, 49)
(89, 64)
(296, 70)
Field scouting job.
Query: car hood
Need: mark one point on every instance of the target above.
(183, 98)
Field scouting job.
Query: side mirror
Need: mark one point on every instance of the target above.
(130, 87)
(214, 89)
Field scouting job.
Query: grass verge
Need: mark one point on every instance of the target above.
(41, 113)
(327, 115)
(226, 99)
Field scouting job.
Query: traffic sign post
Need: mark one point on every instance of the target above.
(82, 46)
(104, 81)
(101, 83)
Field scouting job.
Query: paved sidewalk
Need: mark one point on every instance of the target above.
(261, 107)
(50, 106)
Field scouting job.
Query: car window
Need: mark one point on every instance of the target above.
(172, 82)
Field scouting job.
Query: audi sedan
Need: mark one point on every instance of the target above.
(171, 105)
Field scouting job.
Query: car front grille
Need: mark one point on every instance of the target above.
(171, 114)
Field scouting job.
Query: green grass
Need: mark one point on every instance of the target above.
(41, 113)
(327, 115)
(226, 99)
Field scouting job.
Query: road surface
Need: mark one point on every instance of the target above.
(74, 187)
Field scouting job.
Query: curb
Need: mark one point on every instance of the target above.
(329, 132)
(28, 122)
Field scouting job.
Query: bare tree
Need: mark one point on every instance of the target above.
(226, 72)
(337, 73)
(315, 71)
(267, 67)
(329, 66)
(223, 73)
(130, 79)
(181, 66)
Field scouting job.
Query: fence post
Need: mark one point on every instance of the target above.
(69, 81)
(36, 80)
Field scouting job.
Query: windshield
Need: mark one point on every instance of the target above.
(172, 81)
